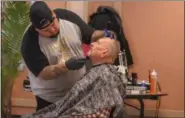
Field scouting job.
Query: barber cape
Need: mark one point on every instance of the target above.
(101, 88)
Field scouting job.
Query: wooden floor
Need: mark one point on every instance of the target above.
(127, 117)
(23, 102)
(145, 117)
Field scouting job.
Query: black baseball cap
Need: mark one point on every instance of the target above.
(40, 15)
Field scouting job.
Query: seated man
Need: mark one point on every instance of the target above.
(101, 89)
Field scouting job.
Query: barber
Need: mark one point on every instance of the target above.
(54, 70)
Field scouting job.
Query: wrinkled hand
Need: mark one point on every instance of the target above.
(74, 63)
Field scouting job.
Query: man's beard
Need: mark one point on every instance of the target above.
(54, 36)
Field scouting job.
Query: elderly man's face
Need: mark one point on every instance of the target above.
(99, 49)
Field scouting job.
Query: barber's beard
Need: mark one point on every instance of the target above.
(54, 36)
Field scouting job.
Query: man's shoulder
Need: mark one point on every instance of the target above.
(30, 37)
(104, 68)
(67, 15)
(62, 13)
(60, 10)
(30, 32)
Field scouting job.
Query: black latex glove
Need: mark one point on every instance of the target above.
(74, 63)
(110, 34)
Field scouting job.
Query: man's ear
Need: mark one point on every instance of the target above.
(104, 53)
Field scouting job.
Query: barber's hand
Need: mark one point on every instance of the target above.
(74, 63)
(110, 34)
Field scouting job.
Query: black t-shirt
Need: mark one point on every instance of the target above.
(34, 58)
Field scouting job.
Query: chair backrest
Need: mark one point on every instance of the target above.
(106, 18)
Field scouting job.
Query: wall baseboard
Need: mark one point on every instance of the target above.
(17, 102)
(151, 113)
(129, 110)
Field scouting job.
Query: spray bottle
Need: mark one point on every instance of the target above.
(153, 81)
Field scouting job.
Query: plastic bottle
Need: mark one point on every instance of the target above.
(153, 81)
(143, 84)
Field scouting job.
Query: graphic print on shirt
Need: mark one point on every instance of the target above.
(64, 49)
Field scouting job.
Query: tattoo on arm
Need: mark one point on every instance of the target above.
(100, 34)
(53, 71)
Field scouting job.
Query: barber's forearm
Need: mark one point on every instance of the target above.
(100, 34)
(53, 71)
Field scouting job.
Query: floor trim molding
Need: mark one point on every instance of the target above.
(129, 110)
(151, 113)
(23, 103)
